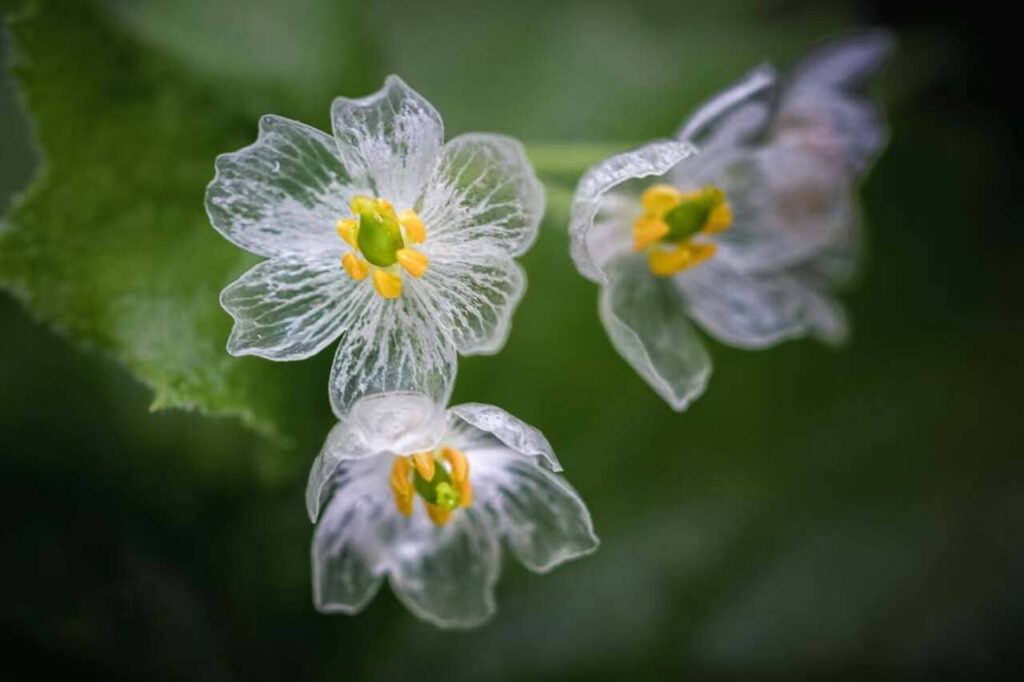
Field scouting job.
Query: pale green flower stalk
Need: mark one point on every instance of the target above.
(381, 236)
(743, 225)
(431, 520)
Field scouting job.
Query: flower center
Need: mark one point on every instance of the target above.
(440, 477)
(381, 241)
(673, 223)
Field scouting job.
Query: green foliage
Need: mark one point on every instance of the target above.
(111, 244)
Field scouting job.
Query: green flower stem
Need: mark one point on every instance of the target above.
(559, 203)
(555, 158)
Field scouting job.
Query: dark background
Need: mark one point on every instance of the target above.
(850, 514)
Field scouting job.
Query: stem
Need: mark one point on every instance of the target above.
(568, 158)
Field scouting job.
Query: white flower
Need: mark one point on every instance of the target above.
(426, 501)
(383, 235)
(744, 224)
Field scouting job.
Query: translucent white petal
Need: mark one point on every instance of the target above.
(510, 431)
(743, 310)
(351, 540)
(389, 346)
(826, 318)
(538, 513)
(646, 321)
(389, 141)
(848, 62)
(733, 114)
(599, 227)
(282, 194)
(446, 575)
(396, 423)
(789, 204)
(288, 308)
(473, 299)
(824, 104)
(482, 200)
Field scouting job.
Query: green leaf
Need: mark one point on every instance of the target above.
(111, 244)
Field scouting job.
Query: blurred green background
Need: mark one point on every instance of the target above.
(818, 513)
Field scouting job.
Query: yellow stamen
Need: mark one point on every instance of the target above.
(413, 261)
(646, 231)
(686, 255)
(415, 232)
(362, 204)
(465, 490)
(348, 229)
(458, 462)
(387, 284)
(439, 515)
(401, 486)
(719, 219)
(460, 474)
(355, 266)
(659, 199)
(424, 463)
(385, 208)
(690, 195)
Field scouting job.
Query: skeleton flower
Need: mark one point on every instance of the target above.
(432, 519)
(744, 224)
(382, 236)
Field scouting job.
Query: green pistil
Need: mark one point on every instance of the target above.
(438, 490)
(690, 216)
(380, 237)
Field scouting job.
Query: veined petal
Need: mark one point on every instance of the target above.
(789, 204)
(826, 318)
(394, 423)
(848, 62)
(736, 113)
(824, 104)
(390, 346)
(483, 199)
(646, 321)
(389, 141)
(352, 537)
(281, 195)
(511, 432)
(288, 308)
(473, 299)
(743, 310)
(446, 574)
(538, 513)
(599, 227)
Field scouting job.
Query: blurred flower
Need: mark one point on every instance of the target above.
(744, 224)
(431, 520)
(383, 235)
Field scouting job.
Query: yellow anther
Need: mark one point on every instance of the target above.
(665, 263)
(458, 463)
(439, 515)
(362, 204)
(424, 463)
(659, 199)
(348, 229)
(413, 261)
(401, 486)
(648, 230)
(691, 195)
(465, 490)
(399, 480)
(387, 284)
(719, 219)
(355, 266)
(415, 232)
(385, 208)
